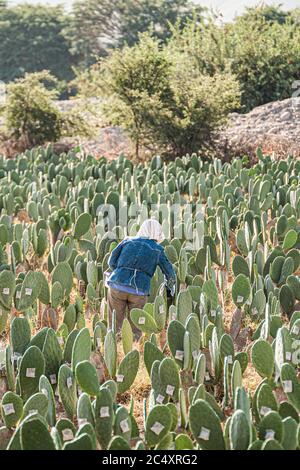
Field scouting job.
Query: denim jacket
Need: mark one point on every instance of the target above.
(134, 262)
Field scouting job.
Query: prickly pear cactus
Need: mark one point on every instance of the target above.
(265, 400)
(45, 387)
(67, 354)
(123, 423)
(82, 347)
(240, 266)
(169, 381)
(7, 288)
(118, 443)
(87, 378)
(20, 335)
(29, 291)
(206, 426)
(85, 412)
(236, 378)
(127, 371)
(34, 435)
(82, 442)
(287, 299)
(241, 289)
(158, 424)
(127, 336)
(62, 273)
(151, 353)
(290, 385)
(67, 390)
(289, 441)
(271, 427)
(82, 225)
(9, 369)
(32, 367)
(143, 321)
(53, 356)
(11, 409)
(262, 357)
(104, 417)
(70, 317)
(87, 428)
(239, 431)
(37, 403)
(160, 312)
(175, 335)
(110, 353)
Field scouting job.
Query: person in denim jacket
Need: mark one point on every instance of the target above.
(133, 263)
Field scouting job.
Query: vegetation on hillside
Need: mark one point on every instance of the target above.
(171, 87)
(31, 40)
(265, 62)
(162, 99)
(96, 27)
(31, 114)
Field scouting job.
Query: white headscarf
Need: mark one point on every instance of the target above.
(151, 229)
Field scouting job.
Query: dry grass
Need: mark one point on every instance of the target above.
(251, 379)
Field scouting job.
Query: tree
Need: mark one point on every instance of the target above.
(29, 110)
(271, 13)
(99, 25)
(31, 40)
(206, 42)
(31, 114)
(265, 62)
(131, 80)
(92, 29)
(162, 99)
(200, 105)
(159, 15)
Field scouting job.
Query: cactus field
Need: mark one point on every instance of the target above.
(216, 366)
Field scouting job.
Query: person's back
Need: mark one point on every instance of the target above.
(133, 263)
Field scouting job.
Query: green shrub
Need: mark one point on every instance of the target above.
(265, 63)
(29, 110)
(162, 99)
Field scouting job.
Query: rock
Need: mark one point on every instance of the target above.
(274, 126)
(286, 116)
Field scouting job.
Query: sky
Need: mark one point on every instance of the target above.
(229, 8)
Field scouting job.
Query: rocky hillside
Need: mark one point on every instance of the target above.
(273, 126)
